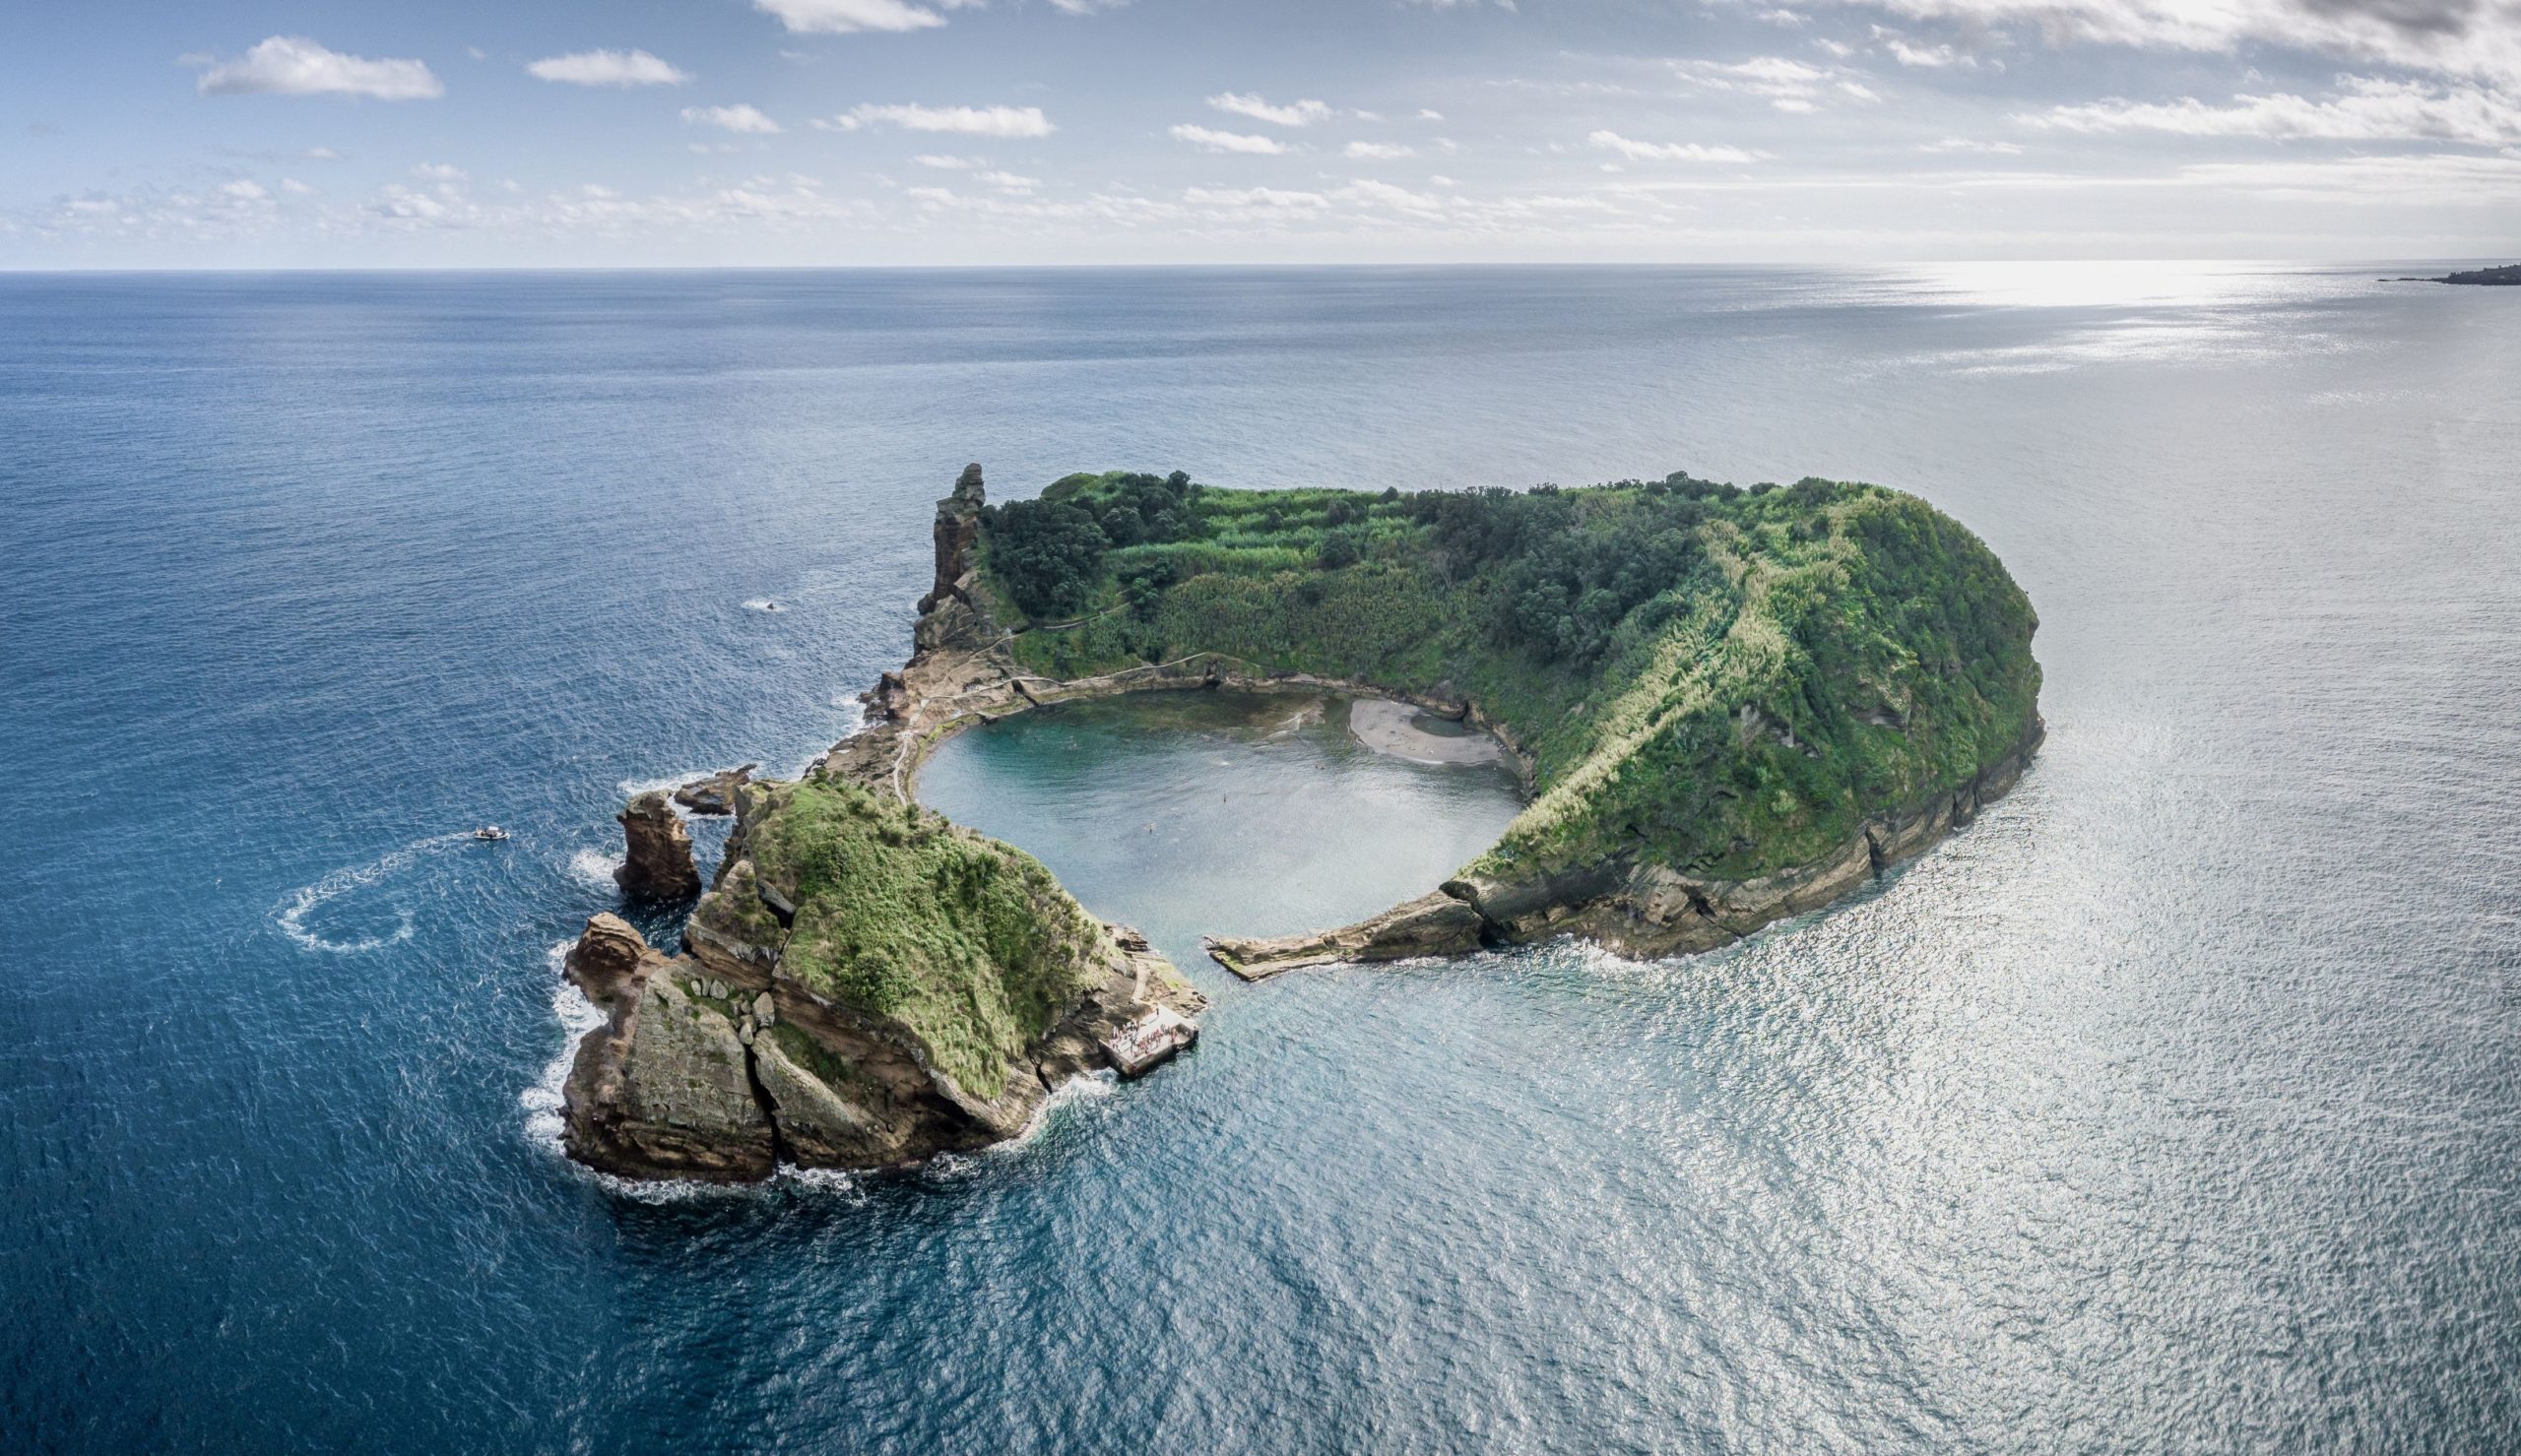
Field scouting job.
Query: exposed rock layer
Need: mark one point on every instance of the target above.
(717, 1068)
(657, 862)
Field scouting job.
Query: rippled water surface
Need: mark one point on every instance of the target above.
(2172, 1106)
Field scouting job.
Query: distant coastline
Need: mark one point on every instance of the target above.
(2506, 275)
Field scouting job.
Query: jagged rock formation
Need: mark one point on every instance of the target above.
(947, 617)
(656, 864)
(714, 793)
(720, 1063)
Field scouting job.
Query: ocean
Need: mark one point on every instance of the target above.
(2173, 1105)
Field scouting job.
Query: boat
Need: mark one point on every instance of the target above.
(489, 832)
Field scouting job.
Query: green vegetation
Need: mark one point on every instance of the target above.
(969, 943)
(1727, 681)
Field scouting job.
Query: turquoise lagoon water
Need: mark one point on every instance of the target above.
(2171, 1106)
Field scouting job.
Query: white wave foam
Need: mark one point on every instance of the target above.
(290, 913)
(633, 787)
(1084, 1087)
(595, 868)
(577, 1016)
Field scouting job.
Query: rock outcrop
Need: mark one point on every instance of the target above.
(1436, 923)
(714, 793)
(949, 614)
(696, 1075)
(656, 864)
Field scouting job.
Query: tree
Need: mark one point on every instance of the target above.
(1049, 554)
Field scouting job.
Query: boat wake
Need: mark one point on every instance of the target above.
(291, 913)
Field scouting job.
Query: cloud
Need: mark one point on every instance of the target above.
(2367, 109)
(322, 153)
(438, 171)
(1428, 113)
(735, 118)
(947, 164)
(1271, 198)
(1217, 141)
(294, 66)
(1669, 150)
(1932, 57)
(1008, 181)
(608, 68)
(1379, 151)
(296, 188)
(2477, 39)
(1295, 113)
(1085, 7)
(969, 121)
(1966, 144)
(243, 190)
(1786, 84)
(1385, 194)
(847, 17)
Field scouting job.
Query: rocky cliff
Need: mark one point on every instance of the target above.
(656, 863)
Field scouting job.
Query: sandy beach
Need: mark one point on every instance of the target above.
(1387, 726)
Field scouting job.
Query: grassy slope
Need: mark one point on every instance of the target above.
(1882, 635)
(968, 942)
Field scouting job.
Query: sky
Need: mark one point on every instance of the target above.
(671, 132)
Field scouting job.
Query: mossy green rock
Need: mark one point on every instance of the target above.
(967, 943)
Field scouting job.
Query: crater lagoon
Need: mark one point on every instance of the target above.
(1191, 813)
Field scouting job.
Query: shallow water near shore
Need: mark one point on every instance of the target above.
(2176, 1105)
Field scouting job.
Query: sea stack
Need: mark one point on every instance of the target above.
(658, 863)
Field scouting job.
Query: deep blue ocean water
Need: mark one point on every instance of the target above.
(2172, 1107)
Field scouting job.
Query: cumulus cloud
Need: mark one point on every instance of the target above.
(608, 68)
(1966, 144)
(970, 121)
(2367, 109)
(1668, 150)
(1217, 141)
(947, 164)
(735, 118)
(1294, 113)
(439, 171)
(294, 66)
(846, 17)
(1379, 151)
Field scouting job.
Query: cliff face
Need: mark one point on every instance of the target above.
(656, 863)
(949, 615)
